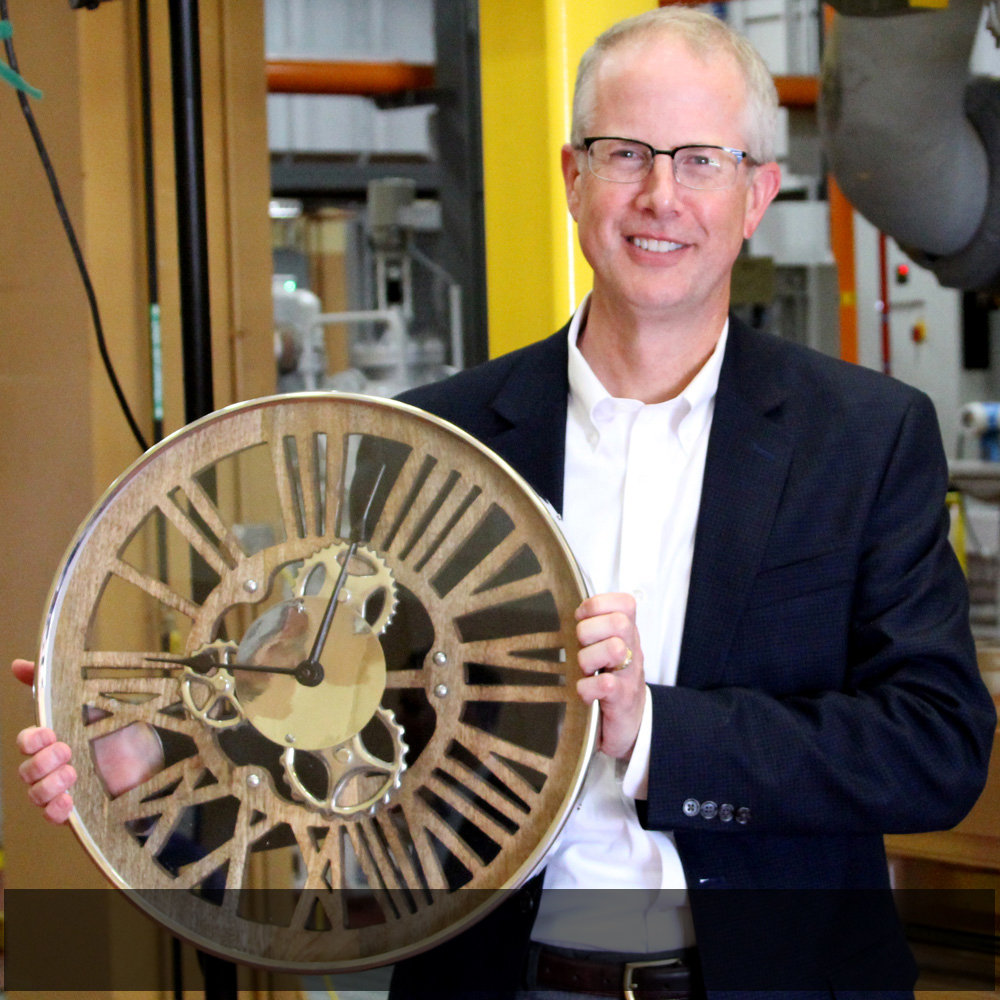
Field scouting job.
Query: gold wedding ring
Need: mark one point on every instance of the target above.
(626, 661)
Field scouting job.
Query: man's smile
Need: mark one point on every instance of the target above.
(656, 246)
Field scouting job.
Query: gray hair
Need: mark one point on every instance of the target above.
(706, 35)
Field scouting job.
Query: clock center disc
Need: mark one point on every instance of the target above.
(286, 708)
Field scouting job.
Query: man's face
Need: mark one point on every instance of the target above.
(661, 93)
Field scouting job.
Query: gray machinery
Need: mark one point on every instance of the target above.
(912, 138)
(387, 353)
(914, 142)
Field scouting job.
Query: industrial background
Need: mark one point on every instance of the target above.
(383, 205)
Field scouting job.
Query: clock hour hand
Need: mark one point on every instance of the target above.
(307, 672)
(200, 663)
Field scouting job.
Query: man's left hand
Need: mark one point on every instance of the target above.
(608, 635)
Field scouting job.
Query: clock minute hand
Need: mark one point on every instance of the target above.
(331, 607)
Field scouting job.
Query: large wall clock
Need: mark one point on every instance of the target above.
(315, 656)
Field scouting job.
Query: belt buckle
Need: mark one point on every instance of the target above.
(630, 967)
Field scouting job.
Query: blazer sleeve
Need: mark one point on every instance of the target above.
(900, 742)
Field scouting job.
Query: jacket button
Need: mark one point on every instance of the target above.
(691, 807)
(709, 810)
(743, 815)
(726, 812)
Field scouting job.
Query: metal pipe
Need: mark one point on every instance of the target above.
(365, 79)
(457, 336)
(392, 317)
(192, 226)
(196, 327)
(893, 120)
(842, 243)
(884, 306)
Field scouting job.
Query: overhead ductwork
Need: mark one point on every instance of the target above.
(912, 138)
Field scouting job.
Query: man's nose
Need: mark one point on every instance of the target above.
(659, 187)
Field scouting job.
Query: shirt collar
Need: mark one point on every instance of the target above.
(689, 410)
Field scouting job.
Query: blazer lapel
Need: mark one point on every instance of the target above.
(745, 469)
(532, 401)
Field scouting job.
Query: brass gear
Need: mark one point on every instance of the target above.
(368, 576)
(220, 684)
(348, 761)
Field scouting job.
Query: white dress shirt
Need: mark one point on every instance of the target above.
(631, 494)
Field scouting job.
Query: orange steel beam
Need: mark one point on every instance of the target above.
(797, 91)
(365, 79)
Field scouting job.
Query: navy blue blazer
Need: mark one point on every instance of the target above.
(827, 687)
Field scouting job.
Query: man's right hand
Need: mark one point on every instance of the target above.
(47, 771)
(123, 759)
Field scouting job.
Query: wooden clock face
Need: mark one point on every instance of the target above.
(316, 659)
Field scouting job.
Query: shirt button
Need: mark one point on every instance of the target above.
(709, 810)
(691, 807)
(726, 812)
(743, 815)
(639, 594)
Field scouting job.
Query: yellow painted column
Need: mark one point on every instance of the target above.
(535, 273)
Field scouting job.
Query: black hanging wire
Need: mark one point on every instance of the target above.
(149, 185)
(36, 135)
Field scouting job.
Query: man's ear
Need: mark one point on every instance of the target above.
(765, 182)
(571, 176)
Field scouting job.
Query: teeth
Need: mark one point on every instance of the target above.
(657, 246)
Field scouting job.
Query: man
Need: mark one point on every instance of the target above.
(771, 523)
(779, 639)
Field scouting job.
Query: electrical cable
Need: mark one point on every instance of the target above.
(149, 186)
(36, 135)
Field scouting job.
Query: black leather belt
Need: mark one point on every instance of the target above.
(667, 978)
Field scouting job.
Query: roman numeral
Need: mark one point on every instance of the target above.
(515, 693)
(128, 700)
(433, 822)
(154, 587)
(477, 800)
(429, 504)
(547, 658)
(425, 513)
(192, 511)
(381, 867)
(490, 540)
(367, 460)
(150, 798)
(107, 664)
(520, 761)
(521, 616)
(129, 805)
(301, 477)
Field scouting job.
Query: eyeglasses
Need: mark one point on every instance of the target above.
(625, 161)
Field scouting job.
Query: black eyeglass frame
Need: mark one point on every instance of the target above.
(740, 154)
